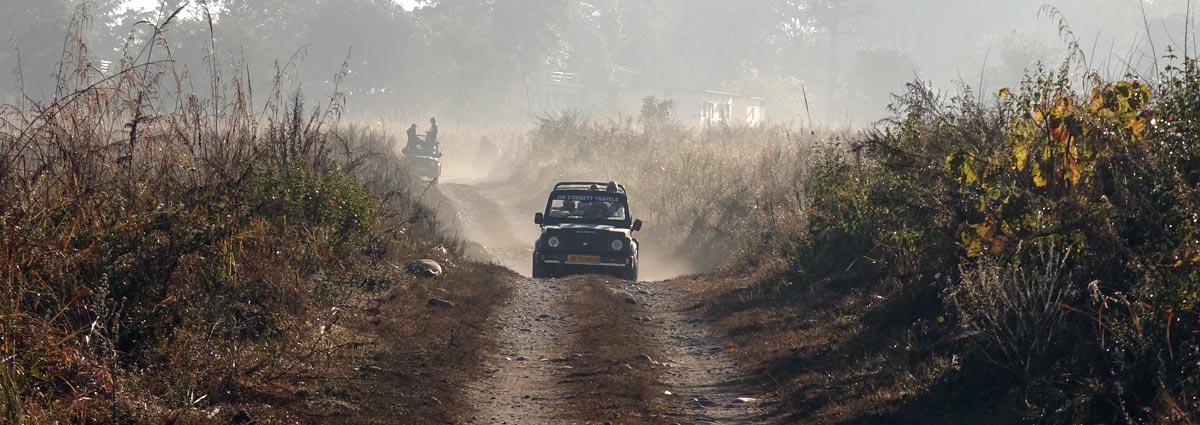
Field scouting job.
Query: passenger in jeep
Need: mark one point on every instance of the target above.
(431, 136)
(422, 147)
(414, 141)
(593, 210)
(586, 228)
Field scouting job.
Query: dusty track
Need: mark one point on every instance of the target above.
(543, 369)
(705, 382)
(522, 383)
(487, 216)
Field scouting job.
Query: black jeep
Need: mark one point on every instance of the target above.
(586, 228)
(425, 160)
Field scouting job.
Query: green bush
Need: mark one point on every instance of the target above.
(332, 200)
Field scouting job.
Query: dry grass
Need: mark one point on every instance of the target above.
(610, 383)
(173, 255)
(825, 357)
(919, 289)
(425, 355)
(705, 194)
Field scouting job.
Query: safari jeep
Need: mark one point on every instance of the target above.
(586, 228)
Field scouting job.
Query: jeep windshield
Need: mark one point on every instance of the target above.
(587, 208)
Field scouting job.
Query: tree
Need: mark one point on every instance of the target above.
(875, 74)
(375, 40)
(805, 20)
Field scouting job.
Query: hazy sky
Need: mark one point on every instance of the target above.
(150, 4)
(878, 48)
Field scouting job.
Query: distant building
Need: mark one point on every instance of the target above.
(555, 92)
(558, 92)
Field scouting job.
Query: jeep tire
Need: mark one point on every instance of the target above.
(630, 274)
(539, 270)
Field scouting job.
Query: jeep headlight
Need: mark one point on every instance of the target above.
(552, 242)
(617, 244)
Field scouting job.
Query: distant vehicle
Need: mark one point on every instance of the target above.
(426, 160)
(586, 228)
(487, 153)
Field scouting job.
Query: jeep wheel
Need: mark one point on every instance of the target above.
(630, 274)
(539, 270)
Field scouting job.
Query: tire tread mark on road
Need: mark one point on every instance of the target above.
(705, 383)
(522, 385)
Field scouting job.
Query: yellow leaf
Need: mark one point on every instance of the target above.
(1038, 179)
(1005, 92)
(1020, 155)
(974, 245)
(969, 173)
(1074, 171)
(1138, 127)
(984, 230)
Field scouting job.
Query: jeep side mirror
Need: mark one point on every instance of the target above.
(637, 225)
(538, 218)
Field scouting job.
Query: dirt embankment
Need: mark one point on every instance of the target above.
(835, 356)
(411, 358)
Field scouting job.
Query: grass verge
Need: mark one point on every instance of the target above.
(612, 382)
(168, 255)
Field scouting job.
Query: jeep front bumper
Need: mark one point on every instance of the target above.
(593, 260)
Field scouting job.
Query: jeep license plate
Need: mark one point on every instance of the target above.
(583, 259)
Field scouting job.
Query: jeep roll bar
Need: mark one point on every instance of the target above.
(601, 186)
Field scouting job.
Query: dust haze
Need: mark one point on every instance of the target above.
(490, 70)
(811, 62)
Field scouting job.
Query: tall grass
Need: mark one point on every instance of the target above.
(706, 194)
(966, 208)
(1041, 239)
(163, 249)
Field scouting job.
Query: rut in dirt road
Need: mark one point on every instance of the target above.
(706, 385)
(523, 381)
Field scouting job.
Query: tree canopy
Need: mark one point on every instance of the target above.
(475, 57)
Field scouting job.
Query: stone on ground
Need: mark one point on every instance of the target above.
(425, 268)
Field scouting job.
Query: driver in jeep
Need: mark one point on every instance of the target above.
(592, 210)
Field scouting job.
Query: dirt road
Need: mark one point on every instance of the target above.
(555, 366)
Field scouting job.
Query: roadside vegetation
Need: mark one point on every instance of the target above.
(1029, 253)
(169, 253)
(707, 191)
(1035, 246)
